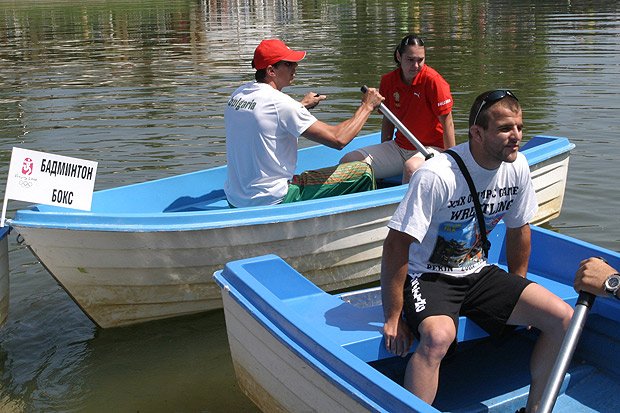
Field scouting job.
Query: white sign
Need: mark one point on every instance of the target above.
(44, 178)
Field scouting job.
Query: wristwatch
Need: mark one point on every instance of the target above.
(612, 285)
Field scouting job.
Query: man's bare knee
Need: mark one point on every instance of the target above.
(436, 338)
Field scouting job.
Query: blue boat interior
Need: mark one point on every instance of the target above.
(203, 190)
(535, 148)
(483, 375)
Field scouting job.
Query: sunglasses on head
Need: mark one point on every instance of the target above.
(491, 98)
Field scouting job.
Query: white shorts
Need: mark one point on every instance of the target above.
(387, 159)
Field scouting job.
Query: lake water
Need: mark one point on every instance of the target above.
(140, 86)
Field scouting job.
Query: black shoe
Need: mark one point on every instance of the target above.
(521, 410)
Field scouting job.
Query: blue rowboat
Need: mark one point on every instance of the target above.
(297, 348)
(143, 250)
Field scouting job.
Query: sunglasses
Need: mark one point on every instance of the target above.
(287, 64)
(491, 98)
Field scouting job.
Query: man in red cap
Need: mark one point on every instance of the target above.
(263, 125)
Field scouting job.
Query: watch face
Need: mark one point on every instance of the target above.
(613, 282)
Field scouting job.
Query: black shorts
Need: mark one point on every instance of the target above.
(487, 298)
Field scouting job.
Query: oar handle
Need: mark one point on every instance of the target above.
(399, 125)
(585, 301)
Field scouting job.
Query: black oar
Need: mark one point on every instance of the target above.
(399, 125)
(584, 303)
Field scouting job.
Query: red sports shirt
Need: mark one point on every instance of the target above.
(418, 105)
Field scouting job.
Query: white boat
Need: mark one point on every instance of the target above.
(296, 348)
(144, 251)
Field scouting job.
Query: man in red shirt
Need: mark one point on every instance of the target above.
(420, 98)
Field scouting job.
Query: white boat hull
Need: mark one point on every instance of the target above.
(121, 278)
(549, 179)
(265, 367)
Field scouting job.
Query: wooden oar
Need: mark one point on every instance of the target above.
(399, 125)
(584, 303)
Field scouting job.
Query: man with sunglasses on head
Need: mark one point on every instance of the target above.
(263, 125)
(434, 267)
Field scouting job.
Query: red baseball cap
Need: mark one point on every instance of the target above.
(271, 51)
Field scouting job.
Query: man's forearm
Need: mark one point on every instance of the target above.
(394, 265)
(387, 130)
(518, 247)
(449, 138)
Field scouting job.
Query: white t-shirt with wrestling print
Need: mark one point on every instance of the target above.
(438, 211)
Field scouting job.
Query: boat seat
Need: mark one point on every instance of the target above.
(365, 340)
(345, 323)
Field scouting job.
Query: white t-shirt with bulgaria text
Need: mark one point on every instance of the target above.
(439, 213)
(262, 130)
